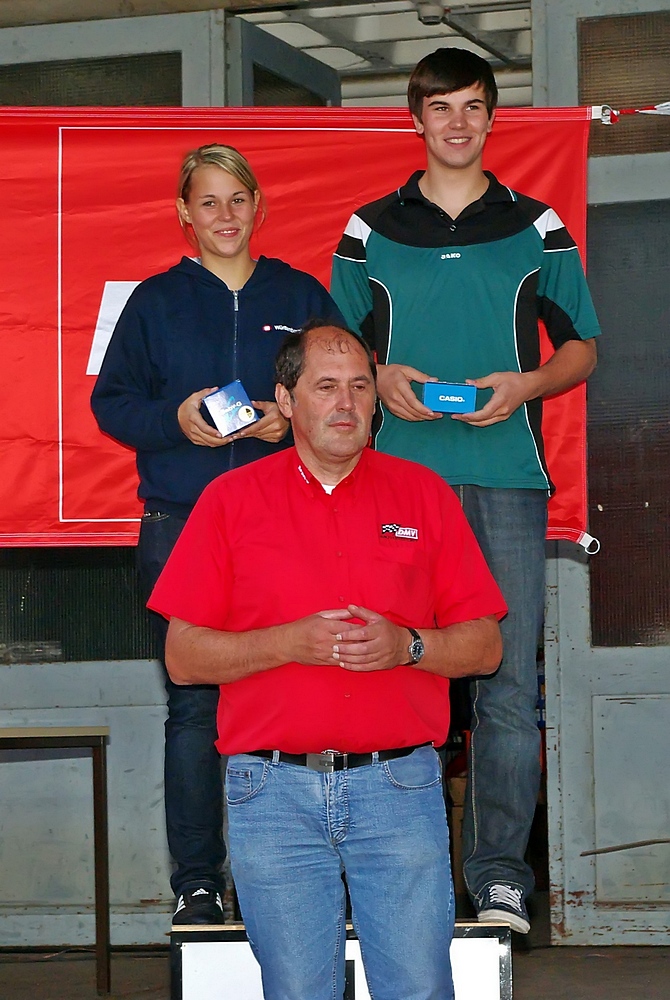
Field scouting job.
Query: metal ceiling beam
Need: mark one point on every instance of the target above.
(498, 44)
(339, 39)
(17, 13)
(489, 41)
(475, 7)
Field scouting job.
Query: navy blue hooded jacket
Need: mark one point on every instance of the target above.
(184, 330)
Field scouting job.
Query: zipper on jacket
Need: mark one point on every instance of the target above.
(236, 311)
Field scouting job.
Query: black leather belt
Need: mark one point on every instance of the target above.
(332, 760)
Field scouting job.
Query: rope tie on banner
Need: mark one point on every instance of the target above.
(609, 116)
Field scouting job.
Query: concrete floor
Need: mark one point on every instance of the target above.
(539, 974)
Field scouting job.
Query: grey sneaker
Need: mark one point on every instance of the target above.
(502, 903)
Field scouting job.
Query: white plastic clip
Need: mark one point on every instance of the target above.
(604, 113)
(591, 545)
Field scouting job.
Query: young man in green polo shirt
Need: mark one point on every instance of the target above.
(447, 278)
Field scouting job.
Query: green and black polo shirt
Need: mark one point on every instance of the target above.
(458, 299)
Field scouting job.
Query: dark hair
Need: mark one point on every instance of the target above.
(290, 361)
(447, 70)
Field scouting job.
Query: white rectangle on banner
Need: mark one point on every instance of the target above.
(114, 297)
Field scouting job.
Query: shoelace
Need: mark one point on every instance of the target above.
(506, 895)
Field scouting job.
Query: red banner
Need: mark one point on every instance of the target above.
(89, 212)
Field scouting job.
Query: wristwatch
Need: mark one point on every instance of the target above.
(416, 647)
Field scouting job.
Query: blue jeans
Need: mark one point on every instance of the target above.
(193, 780)
(504, 762)
(293, 832)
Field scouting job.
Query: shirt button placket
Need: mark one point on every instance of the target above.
(340, 555)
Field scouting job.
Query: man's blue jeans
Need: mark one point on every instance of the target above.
(504, 763)
(193, 779)
(293, 832)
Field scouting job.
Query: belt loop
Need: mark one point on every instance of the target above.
(375, 757)
(275, 756)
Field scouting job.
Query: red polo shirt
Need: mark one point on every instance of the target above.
(266, 545)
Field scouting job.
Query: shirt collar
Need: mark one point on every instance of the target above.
(495, 192)
(311, 484)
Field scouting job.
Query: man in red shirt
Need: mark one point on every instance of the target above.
(332, 591)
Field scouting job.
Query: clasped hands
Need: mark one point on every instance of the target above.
(371, 642)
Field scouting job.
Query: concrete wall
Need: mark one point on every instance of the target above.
(46, 806)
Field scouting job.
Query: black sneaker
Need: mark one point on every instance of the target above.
(199, 906)
(502, 903)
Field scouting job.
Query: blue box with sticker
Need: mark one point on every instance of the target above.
(450, 397)
(230, 408)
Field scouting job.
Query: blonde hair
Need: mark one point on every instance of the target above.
(227, 158)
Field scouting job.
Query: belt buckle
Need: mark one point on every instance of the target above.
(324, 762)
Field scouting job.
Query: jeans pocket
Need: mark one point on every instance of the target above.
(421, 769)
(244, 780)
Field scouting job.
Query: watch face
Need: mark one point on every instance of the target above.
(416, 649)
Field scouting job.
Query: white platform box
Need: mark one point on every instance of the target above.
(216, 963)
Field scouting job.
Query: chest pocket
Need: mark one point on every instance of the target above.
(402, 587)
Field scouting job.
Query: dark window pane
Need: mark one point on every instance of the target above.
(71, 604)
(629, 425)
(272, 91)
(149, 80)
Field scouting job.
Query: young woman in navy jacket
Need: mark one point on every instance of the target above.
(196, 327)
